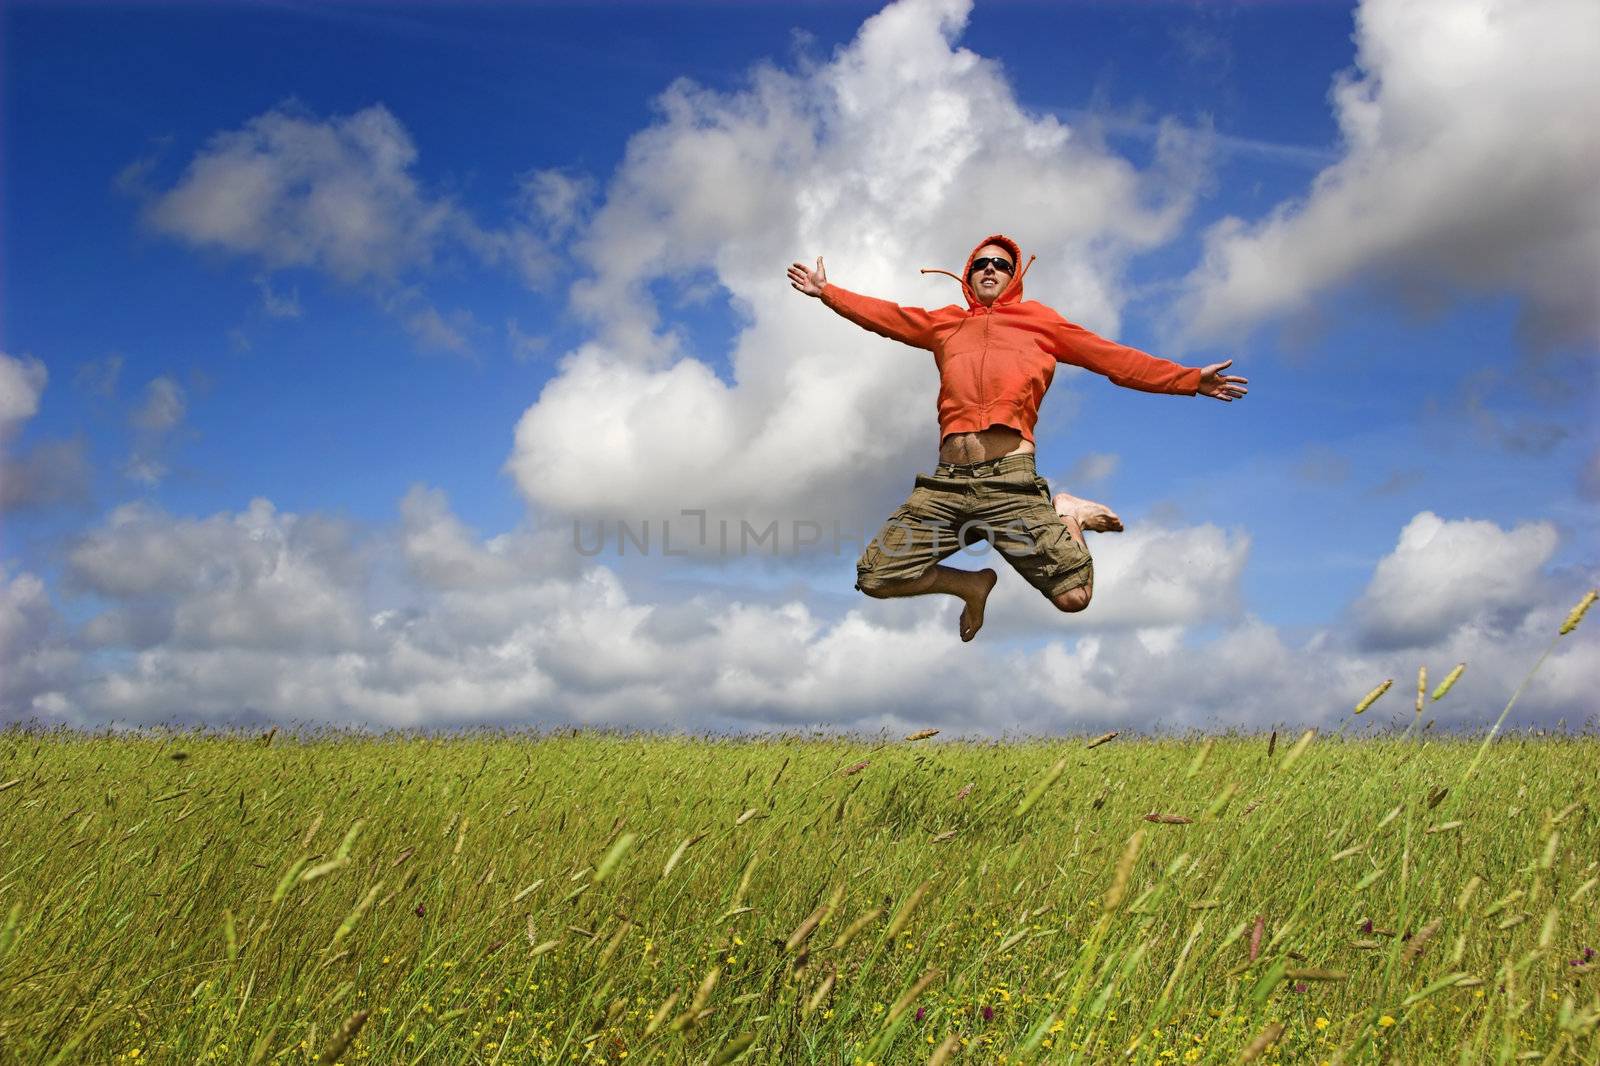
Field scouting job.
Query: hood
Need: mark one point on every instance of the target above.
(1012, 293)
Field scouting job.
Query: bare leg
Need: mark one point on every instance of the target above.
(1078, 515)
(970, 586)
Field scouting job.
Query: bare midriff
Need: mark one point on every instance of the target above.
(983, 446)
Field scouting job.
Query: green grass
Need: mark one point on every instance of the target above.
(496, 898)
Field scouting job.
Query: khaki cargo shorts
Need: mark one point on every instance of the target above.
(1004, 502)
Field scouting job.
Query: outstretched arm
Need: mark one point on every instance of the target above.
(1125, 366)
(909, 325)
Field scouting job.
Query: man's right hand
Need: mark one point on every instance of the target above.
(809, 282)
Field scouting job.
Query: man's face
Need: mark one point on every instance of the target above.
(991, 281)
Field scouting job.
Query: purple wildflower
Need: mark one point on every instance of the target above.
(988, 1013)
(1588, 953)
(420, 911)
(1366, 926)
(1300, 986)
(921, 1013)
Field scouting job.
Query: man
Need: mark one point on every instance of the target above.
(996, 358)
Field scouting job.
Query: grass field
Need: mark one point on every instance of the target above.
(600, 898)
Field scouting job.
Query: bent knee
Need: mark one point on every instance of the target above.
(1072, 600)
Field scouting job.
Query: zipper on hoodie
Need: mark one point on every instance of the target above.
(983, 363)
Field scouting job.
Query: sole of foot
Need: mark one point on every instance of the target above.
(972, 613)
(1094, 517)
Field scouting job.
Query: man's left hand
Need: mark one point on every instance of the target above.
(1225, 387)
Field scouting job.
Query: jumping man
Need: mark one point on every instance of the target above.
(996, 358)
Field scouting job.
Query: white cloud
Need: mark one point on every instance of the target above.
(899, 152)
(337, 195)
(435, 332)
(1144, 578)
(51, 471)
(158, 414)
(525, 347)
(251, 580)
(341, 195)
(1470, 159)
(22, 382)
(163, 407)
(1443, 575)
(1093, 468)
(443, 554)
(275, 304)
(265, 616)
(35, 661)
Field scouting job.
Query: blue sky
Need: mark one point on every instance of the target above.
(550, 224)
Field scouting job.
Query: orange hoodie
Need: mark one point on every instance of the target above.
(995, 363)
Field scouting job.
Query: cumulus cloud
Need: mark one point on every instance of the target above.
(1444, 574)
(255, 579)
(1148, 578)
(162, 408)
(337, 195)
(262, 616)
(157, 416)
(341, 195)
(888, 157)
(22, 382)
(51, 472)
(1469, 159)
(36, 660)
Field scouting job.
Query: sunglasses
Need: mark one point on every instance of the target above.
(1002, 265)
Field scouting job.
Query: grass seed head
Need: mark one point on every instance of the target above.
(902, 917)
(1419, 940)
(909, 996)
(1264, 1039)
(1579, 611)
(820, 995)
(1449, 681)
(947, 1047)
(1124, 870)
(856, 926)
(1372, 697)
(613, 857)
(342, 1038)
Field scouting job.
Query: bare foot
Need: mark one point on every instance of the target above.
(972, 614)
(1093, 517)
